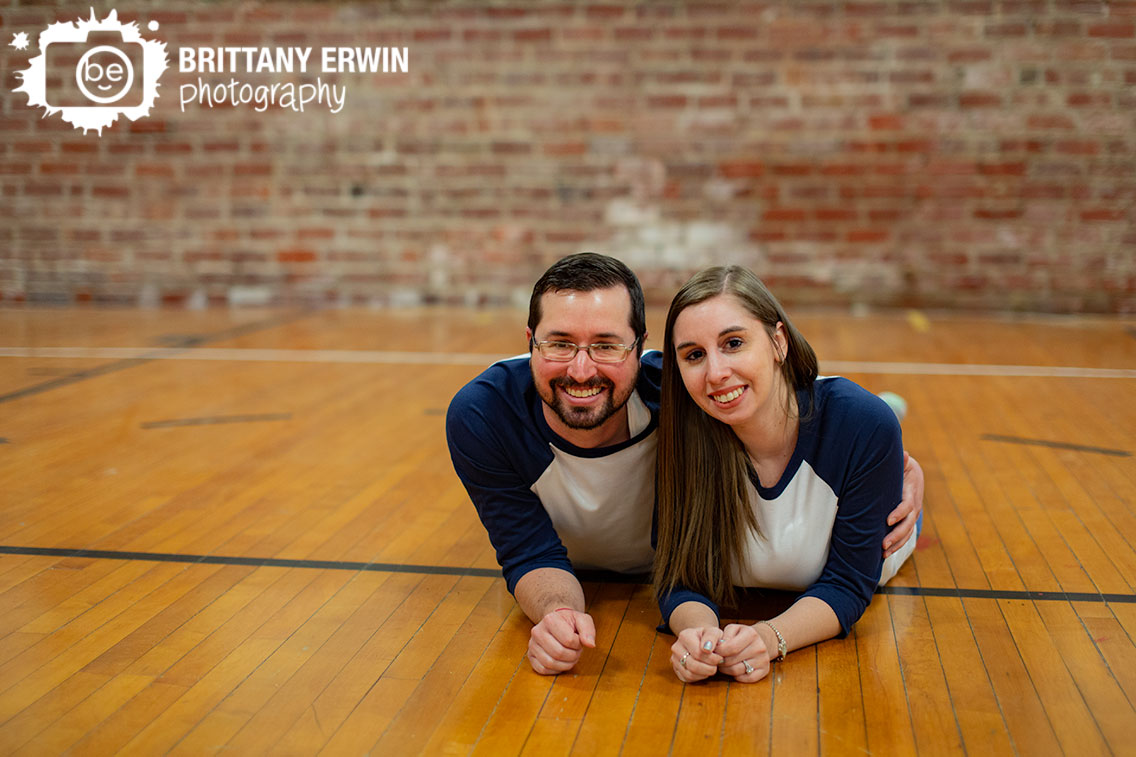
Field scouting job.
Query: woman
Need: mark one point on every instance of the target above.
(768, 476)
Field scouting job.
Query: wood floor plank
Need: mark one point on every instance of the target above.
(570, 699)
(198, 634)
(460, 726)
(364, 724)
(965, 566)
(218, 664)
(1065, 706)
(841, 709)
(1002, 489)
(346, 659)
(255, 707)
(794, 716)
(37, 671)
(508, 728)
(1104, 697)
(698, 729)
(416, 722)
(1064, 563)
(1018, 701)
(928, 697)
(887, 720)
(980, 722)
(1114, 644)
(747, 722)
(69, 695)
(603, 730)
(652, 726)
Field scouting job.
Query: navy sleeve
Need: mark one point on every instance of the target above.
(668, 603)
(872, 489)
(518, 525)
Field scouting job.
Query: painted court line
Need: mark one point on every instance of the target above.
(386, 357)
(217, 419)
(1056, 445)
(598, 576)
(140, 356)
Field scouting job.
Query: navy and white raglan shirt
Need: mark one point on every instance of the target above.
(822, 524)
(547, 503)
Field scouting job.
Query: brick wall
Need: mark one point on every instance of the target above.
(960, 154)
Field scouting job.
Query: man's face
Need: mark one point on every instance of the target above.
(581, 393)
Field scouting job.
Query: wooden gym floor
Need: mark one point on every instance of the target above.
(239, 531)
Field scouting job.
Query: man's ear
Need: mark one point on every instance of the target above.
(528, 338)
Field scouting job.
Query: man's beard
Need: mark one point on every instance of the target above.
(585, 418)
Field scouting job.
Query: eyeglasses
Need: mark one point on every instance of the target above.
(562, 352)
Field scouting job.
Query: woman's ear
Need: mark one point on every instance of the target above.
(780, 342)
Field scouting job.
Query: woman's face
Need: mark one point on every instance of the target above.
(729, 363)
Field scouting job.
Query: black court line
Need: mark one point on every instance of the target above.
(121, 365)
(446, 570)
(260, 562)
(217, 419)
(1057, 445)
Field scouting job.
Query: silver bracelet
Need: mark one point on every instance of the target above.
(782, 648)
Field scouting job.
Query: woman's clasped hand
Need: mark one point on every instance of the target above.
(736, 650)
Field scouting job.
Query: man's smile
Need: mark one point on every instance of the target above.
(583, 392)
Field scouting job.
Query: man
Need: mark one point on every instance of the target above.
(557, 450)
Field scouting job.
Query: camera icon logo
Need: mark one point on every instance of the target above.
(95, 70)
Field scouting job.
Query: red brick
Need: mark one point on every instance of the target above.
(970, 55)
(1050, 121)
(1002, 169)
(928, 101)
(998, 214)
(1115, 30)
(785, 214)
(296, 256)
(533, 35)
(885, 31)
(867, 236)
(162, 170)
(843, 169)
(1089, 99)
(979, 100)
(792, 169)
(1104, 214)
(667, 101)
(633, 33)
(1043, 192)
(888, 122)
(742, 169)
(1076, 147)
(835, 214)
(1008, 29)
(110, 191)
(566, 148)
(605, 12)
(866, 9)
(148, 126)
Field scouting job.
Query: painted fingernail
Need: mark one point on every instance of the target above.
(708, 646)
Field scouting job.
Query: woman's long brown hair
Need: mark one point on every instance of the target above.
(701, 479)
